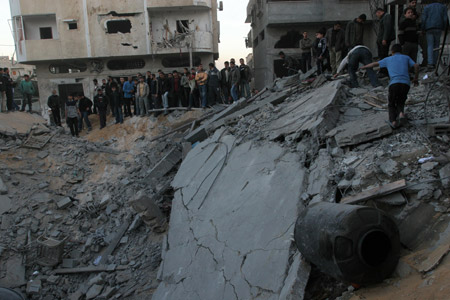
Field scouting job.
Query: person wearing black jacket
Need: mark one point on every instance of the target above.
(54, 103)
(116, 102)
(408, 37)
(8, 86)
(85, 107)
(100, 106)
(225, 82)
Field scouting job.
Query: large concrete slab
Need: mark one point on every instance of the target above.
(362, 130)
(232, 218)
(314, 112)
(21, 123)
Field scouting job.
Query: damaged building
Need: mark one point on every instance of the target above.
(278, 26)
(73, 42)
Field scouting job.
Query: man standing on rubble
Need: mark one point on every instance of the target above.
(116, 103)
(164, 89)
(235, 79)
(408, 34)
(213, 84)
(246, 78)
(398, 67)
(386, 32)
(72, 114)
(100, 105)
(354, 32)
(202, 78)
(128, 90)
(142, 92)
(9, 85)
(85, 107)
(306, 46)
(53, 103)
(225, 82)
(27, 89)
(335, 37)
(359, 54)
(434, 20)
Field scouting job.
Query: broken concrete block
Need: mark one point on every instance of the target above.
(107, 293)
(64, 203)
(392, 199)
(69, 263)
(358, 91)
(137, 221)
(389, 167)
(149, 212)
(444, 174)
(105, 200)
(53, 279)
(362, 130)
(428, 166)
(3, 187)
(13, 272)
(124, 240)
(166, 164)
(42, 154)
(5, 204)
(99, 279)
(94, 291)
(34, 287)
(295, 283)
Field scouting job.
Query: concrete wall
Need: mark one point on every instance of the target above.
(91, 40)
(32, 25)
(162, 4)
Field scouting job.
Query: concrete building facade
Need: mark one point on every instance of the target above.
(71, 42)
(277, 25)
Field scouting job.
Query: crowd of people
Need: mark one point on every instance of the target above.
(154, 93)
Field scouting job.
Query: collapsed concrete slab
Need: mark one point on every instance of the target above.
(19, 123)
(232, 218)
(362, 130)
(313, 112)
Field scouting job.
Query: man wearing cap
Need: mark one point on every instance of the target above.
(354, 32)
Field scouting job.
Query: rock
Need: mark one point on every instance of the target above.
(405, 172)
(444, 174)
(352, 113)
(69, 263)
(105, 200)
(349, 173)
(42, 154)
(150, 212)
(99, 279)
(64, 203)
(428, 166)
(94, 291)
(53, 279)
(111, 208)
(5, 204)
(107, 293)
(3, 187)
(34, 287)
(389, 167)
(137, 221)
(358, 91)
(349, 160)
(425, 194)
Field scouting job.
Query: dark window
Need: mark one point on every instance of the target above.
(262, 35)
(73, 26)
(182, 26)
(46, 33)
(116, 26)
(290, 40)
(177, 61)
(126, 64)
(75, 67)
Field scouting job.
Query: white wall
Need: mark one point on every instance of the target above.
(33, 23)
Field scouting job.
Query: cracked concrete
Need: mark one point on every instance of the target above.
(224, 196)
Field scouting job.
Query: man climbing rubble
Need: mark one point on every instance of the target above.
(359, 54)
(397, 66)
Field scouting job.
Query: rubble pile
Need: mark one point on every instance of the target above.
(203, 205)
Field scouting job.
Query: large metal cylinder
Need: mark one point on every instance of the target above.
(357, 244)
(8, 294)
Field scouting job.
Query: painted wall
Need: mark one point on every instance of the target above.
(32, 25)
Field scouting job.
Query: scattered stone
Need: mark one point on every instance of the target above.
(137, 221)
(99, 279)
(69, 263)
(124, 240)
(3, 187)
(358, 91)
(405, 172)
(428, 166)
(5, 204)
(94, 291)
(43, 154)
(34, 287)
(53, 279)
(393, 199)
(105, 200)
(149, 211)
(444, 174)
(107, 293)
(389, 167)
(64, 203)
(425, 194)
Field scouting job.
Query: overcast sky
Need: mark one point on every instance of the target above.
(233, 30)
